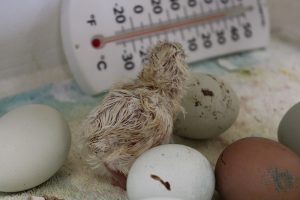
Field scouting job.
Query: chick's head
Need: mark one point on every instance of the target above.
(166, 69)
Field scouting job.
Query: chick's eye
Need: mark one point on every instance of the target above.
(152, 115)
(132, 143)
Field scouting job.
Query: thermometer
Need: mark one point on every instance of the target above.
(107, 41)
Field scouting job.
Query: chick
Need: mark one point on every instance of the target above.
(136, 116)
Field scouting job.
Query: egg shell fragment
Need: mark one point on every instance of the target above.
(35, 141)
(211, 107)
(173, 171)
(258, 168)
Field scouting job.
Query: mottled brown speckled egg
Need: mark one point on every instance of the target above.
(258, 169)
(211, 107)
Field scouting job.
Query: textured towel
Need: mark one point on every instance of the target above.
(266, 81)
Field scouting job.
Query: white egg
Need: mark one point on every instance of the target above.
(173, 171)
(211, 107)
(35, 141)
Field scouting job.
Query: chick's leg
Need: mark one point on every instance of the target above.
(119, 179)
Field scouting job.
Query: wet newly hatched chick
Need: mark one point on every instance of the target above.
(136, 116)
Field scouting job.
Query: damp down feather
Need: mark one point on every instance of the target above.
(137, 115)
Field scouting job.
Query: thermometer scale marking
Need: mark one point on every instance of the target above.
(163, 27)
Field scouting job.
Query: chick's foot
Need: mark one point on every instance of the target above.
(118, 178)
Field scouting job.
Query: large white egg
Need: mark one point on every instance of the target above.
(35, 141)
(211, 107)
(171, 171)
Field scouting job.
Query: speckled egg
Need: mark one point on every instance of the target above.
(211, 107)
(289, 129)
(258, 168)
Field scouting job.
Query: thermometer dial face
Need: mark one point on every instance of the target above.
(107, 41)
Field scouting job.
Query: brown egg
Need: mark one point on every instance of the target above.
(258, 169)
